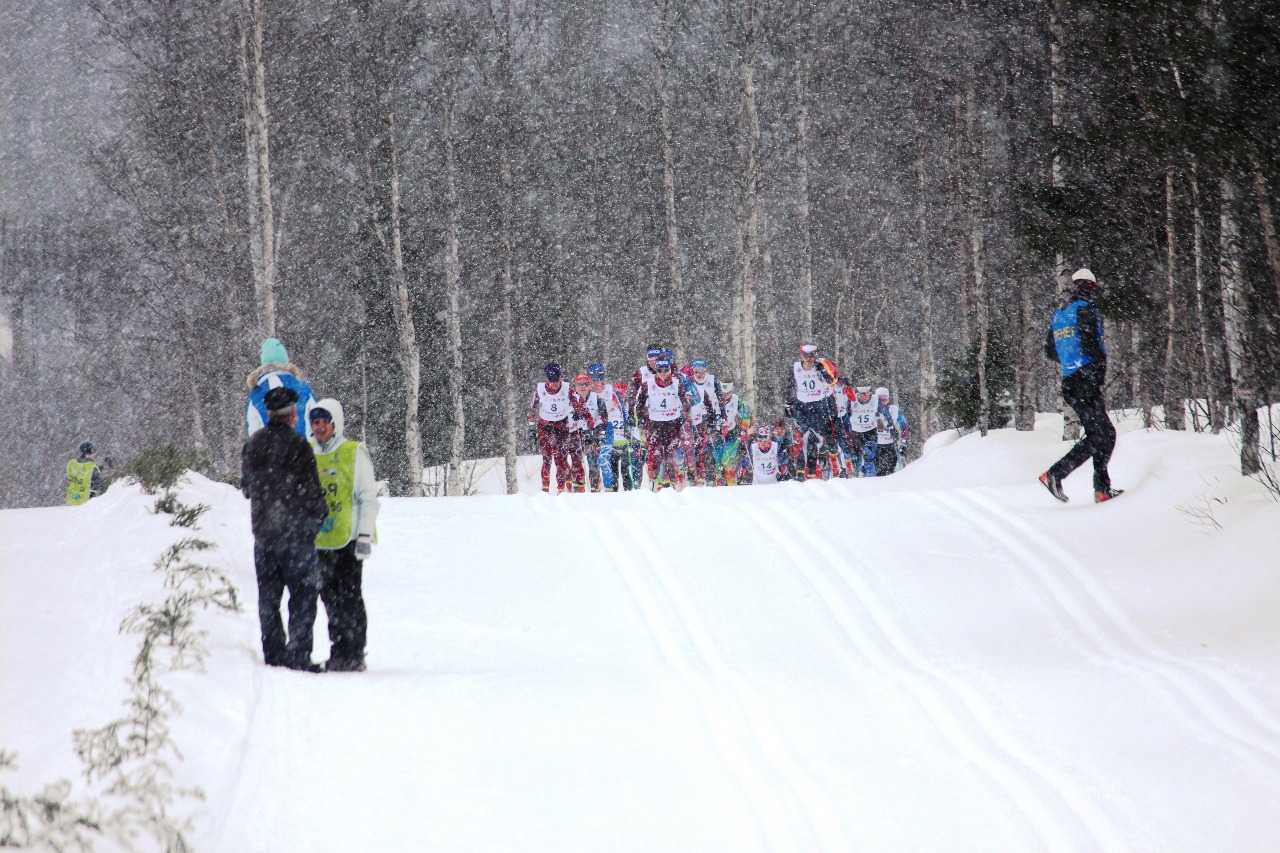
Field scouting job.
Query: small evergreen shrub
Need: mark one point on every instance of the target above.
(159, 468)
(958, 400)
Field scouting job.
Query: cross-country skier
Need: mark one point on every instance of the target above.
(662, 407)
(809, 401)
(1075, 342)
(706, 421)
(735, 425)
(615, 445)
(764, 461)
(638, 444)
(892, 432)
(702, 407)
(583, 440)
(783, 436)
(553, 402)
(862, 426)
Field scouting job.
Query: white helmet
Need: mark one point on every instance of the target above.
(882, 393)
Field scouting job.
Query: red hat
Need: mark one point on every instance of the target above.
(581, 378)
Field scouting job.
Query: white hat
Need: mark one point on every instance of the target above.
(1083, 274)
(808, 349)
(882, 392)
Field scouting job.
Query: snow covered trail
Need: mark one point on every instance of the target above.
(941, 660)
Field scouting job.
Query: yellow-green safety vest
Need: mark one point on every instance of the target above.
(79, 481)
(337, 480)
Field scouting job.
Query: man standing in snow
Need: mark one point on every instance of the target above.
(276, 371)
(287, 509)
(1075, 342)
(346, 537)
(84, 479)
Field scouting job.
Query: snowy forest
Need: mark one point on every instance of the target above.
(427, 201)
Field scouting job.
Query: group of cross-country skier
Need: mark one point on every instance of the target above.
(683, 426)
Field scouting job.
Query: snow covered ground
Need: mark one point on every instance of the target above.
(942, 660)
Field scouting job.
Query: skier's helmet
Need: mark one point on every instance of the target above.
(652, 352)
(698, 364)
(552, 372)
(595, 370)
(763, 433)
(662, 363)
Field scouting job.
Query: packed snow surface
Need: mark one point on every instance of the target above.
(943, 660)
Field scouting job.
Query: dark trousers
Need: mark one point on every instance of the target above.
(815, 422)
(1083, 393)
(621, 462)
(886, 461)
(344, 601)
(295, 567)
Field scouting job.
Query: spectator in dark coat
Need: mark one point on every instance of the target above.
(287, 509)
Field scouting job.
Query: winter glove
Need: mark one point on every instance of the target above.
(363, 546)
(902, 447)
(789, 411)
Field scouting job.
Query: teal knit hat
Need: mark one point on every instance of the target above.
(273, 352)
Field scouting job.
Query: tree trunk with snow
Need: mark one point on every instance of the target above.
(453, 289)
(1173, 399)
(1267, 221)
(1236, 301)
(663, 51)
(1208, 363)
(406, 334)
(502, 24)
(253, 80)
(748, 208)
(803, 70)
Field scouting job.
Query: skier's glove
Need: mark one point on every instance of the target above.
(533, 434)
(789, 410)
(902, 447)
(363, 546)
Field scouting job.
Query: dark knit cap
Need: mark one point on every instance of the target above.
(279, 399)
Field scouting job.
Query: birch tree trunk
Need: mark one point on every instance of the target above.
(453, 288)
(804, 63)
(928, 364)
(1236, 316)
(410, 365)
(1057, 102)
(974, 204)
(1209, 368)
(1173, 401)
(669, 179)
(505, 96)
(749, 202)
(253, 79)
(1267, 221)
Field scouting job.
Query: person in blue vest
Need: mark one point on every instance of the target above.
(346, 538)
(276, 371)
(1075, 342)
(84, 479)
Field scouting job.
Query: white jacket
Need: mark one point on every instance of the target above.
(365, 485)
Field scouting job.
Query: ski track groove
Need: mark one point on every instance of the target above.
(1233, 713)
(686, 647)
(251, 767)
(1040, 791)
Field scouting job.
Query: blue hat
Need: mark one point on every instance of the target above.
(653, 352)
(668, 352)
(320, 413)
(552, 371)
(273, 352)
(595, 370)
(698, 364)
(662, 363)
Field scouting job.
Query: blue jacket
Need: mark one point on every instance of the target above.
(271, 376)
(1075, 337)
